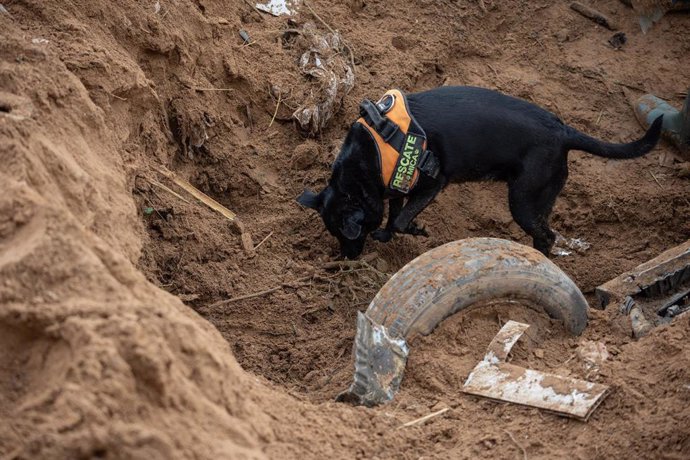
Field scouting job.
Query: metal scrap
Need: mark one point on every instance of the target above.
(494, 378)
(653, 292)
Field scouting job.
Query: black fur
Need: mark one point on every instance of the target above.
(477, 134)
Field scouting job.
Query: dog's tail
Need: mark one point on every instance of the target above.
(645, 144)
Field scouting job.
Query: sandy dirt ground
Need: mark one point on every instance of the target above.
(116, 338)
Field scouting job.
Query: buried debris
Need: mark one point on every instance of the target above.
(440, 283)
(653, 292)
(565, 246)
(496, 379)
(332, 77)
(279, 7)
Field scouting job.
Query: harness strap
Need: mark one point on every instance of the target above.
(410, 146)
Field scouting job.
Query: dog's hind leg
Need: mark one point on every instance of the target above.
(531, 200)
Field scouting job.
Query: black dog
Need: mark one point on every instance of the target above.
(476, 134)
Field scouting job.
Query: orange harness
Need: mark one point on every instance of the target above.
(400, 141)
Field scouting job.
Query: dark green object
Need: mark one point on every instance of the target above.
(676, 125)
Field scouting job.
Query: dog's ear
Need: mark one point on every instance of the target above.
(352, 225)
(309, 199)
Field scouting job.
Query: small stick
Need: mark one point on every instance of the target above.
(629, 86)
(656, 180)
(593, 14)
(199, 195)
(421, 420)
(365, 259)
(599, 119)
(492, 69)
(244, 297)
(280, 95)
(259, 294)
(169, 190)
(116, 96)
(254, 8)
(263, 241)
(524, 452)
(196, 88)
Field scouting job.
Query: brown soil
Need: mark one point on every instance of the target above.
(99, 361)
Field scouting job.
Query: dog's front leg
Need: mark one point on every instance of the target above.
(415, 204)
(384, 235)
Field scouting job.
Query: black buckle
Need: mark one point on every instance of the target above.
(429, 164)
(387, 130)
(371, 114)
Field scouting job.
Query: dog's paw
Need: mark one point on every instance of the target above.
(382, 235)
(416, 230)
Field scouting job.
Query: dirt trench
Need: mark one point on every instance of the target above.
(103, 364)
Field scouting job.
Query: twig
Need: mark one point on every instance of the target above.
(593, 14)
(349, 49)
(263, 241)
(260, 293)
(599, 119)
(244, 297)
(199, 195)
(492, 69)
(524, 452)
(116, 96)
(656, 180)
(629, 86)
(254, 8)
(363, 261)
(280, 96)
(421, 420)
(196, 88)
(168, 189)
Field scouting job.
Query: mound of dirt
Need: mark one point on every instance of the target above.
(99, 361)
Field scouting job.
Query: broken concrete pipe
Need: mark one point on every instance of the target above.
(440, 283)
(496, 379)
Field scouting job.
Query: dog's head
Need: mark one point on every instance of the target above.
(351, 206)
(345, 217)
